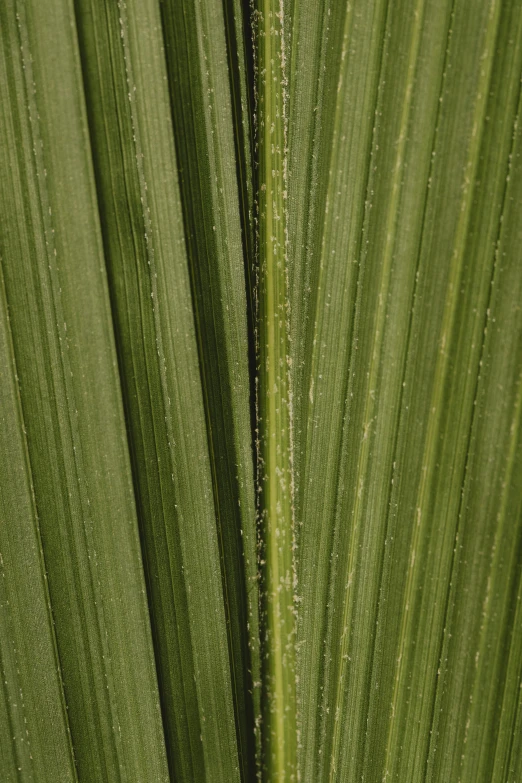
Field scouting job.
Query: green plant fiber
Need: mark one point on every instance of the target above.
(260, 391)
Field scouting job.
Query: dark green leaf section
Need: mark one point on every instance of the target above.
(209, 131)
(135, 164)
(238, 32)
(36, 745)
(52, 261)
(508, 753)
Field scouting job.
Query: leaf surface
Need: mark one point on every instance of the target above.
(52, 261)
(274, 396)
(207, 73)
(182, 532)
(393, 246)
(32, 705)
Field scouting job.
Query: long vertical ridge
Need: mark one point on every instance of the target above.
(274, 401)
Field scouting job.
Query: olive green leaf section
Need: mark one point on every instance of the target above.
(240, 45)
(274, 398)
(205, 88)
(324, 266)
(182, 527)
(463, 217)
(52, 262)
(36, 745)
(337, 185)
(396, 257)
(322, 38)
(476, 705)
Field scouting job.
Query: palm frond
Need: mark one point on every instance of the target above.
(261, 329)
(52, 261)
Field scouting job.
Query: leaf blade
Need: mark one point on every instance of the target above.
(56, 290)
(274, 397)
(146, 254)
(216, 200)
(33, 713)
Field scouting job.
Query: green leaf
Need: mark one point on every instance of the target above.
(274, 398)
(310, 220)
(190, 525)
(217, 217)
(338, 88)
(55, 285)
(471, 700)
(239, 37)
(388, 342)
(36, 745)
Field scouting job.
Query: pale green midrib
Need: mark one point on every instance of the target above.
(273, 432)
(377, 343)
(277, 508)
(442, 367)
